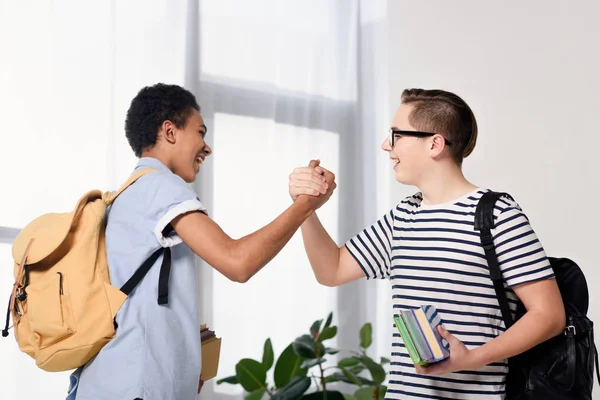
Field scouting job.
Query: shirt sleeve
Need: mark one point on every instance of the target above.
(521, 257)
(372, 248)
(169, 197)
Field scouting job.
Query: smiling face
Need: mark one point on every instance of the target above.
(189, 148)
(410, 155)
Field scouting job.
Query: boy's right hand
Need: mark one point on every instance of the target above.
(313, 181)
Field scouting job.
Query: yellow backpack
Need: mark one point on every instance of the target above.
(62, 303)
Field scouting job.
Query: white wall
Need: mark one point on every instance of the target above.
(530, 73)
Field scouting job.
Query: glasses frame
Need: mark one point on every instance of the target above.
(393, 132)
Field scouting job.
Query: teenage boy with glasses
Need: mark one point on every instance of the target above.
(427, 247)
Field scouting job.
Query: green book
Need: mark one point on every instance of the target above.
(410, 346)
(418, 330)
(416, 334)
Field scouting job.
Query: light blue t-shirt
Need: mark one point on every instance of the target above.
(156, 352)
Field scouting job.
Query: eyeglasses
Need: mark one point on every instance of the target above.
(394, 132)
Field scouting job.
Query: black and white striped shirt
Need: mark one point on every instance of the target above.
(432, 255)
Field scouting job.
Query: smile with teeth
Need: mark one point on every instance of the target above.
(199, 159)
(395, 161)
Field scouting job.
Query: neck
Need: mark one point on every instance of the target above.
(444, 184)
(159, 156)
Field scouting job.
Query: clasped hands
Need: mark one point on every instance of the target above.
(314, 182)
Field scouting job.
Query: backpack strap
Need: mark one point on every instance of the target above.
(163, 281)
(140, 273)
(109, 197)
(596, 361)
(484, 223)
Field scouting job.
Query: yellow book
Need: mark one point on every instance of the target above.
(428, 321)
(211, 350)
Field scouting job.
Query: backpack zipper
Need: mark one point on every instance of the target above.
(60, 282)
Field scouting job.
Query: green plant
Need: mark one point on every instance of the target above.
(297, 364)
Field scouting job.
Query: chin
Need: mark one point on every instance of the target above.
(190, 179)
(188, 176)
(404, 179)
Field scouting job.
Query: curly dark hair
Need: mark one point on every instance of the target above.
(151, 107)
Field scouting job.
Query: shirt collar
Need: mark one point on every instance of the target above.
(150, 162)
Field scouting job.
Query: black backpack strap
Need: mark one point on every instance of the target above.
(5, 330)
(484, 223)
(597, 363)
(163, 279)
(163, 282)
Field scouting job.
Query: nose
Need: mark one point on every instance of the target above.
(385, 146)
(207, 150)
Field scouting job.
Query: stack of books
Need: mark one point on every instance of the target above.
(211, 349)
(418, 329)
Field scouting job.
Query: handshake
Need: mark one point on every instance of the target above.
(313, 184)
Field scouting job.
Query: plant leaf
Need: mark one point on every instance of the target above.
(233, 380)
(306, 347)
(376, 370)
(351, 377)
(328, 394)
(368, 393)
(382, 391)
(308, 364)
(329, 319)
(251, 374)
(340, 377)
(349, 397)
(348, 362)
(366, 335)
(316, 328)
(230, 379)
(293, 389)
(328, 333)
(330, 350)
(268, 356)
(256, 395)
(336, 377)
(385, 360)
(287, 366)
(357, 369)
(364, 393)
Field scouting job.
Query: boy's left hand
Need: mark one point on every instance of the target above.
(460, 359)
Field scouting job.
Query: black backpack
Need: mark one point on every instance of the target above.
(561, 368)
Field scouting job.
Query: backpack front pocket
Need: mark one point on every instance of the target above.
(49, 310)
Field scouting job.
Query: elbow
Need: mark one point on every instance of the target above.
(560, 323)
(244, 268)
(554, 322)
(241, 277)
(239, 264)
(240, 272)
(325, 281)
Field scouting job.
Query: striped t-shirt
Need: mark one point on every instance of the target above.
(432, 255)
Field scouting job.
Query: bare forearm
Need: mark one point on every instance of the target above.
(323, 253)
(532, 329)
(254, 251)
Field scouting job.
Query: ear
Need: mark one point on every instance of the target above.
(168, 131)
(437, 144)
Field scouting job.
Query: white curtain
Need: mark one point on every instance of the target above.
(279, 83)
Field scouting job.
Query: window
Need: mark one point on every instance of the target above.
(278, 88)
(252, 162)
